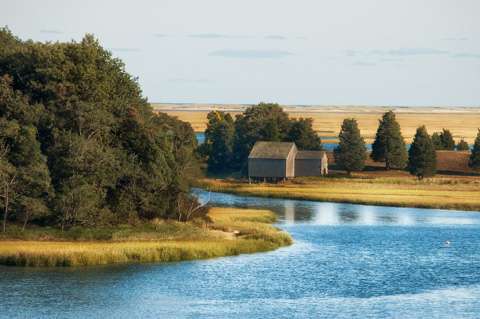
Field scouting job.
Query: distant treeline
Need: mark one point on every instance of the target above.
(80, 145)
(228, 141)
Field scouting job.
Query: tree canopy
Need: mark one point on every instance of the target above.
(351, 152)
(474, 161)
(422, 159)
(86, 146)
(389, 145)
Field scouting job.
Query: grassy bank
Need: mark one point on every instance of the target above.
(440, 192)
(231, 232)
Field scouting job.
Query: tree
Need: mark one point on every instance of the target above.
(446, 138)
(72, 115)
(389, 145)
(463, 145)
(350, 154)
(265, 122)
(474, 161)
(219, 137)
(8, 181)
(422, 159)
(437, 141)
(301, 132)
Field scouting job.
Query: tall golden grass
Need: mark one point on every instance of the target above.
(441, 192)
(233, 232)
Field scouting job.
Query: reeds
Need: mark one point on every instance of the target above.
(233, 232)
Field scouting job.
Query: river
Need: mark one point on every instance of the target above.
(347, 261)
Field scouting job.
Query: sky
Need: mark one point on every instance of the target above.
(335, 52)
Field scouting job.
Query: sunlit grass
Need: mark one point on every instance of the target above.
(232, 232)
(433, 193)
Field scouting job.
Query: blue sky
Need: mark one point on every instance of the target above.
(338, 52)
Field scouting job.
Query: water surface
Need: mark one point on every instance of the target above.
(347, 261)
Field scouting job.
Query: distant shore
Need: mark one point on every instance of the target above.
(231, 231)
(463, 122)
(392, 188)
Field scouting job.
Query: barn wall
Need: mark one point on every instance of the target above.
(259, 167)
(290, 163)
(308, 167)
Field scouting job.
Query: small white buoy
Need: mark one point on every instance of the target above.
(447, 242)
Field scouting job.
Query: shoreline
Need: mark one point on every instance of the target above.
(381, 192)
(232, 232)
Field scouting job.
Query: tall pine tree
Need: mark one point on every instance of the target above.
(389, 146)
(422, 159)
(350, 154)
(474, 161)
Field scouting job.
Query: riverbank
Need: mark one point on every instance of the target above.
(443, 192)
(230, 232)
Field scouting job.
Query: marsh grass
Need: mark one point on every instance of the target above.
(444, 193)
(232, 232)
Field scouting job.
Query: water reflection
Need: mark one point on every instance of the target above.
(325, 213)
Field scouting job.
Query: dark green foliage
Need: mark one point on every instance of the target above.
(463, 145)
(263, 122)
(447, 140)
(389, 146)
(443, 140)
(422, 159)
(474, 161)
(301, 132)
(228, 142)
(86, 146)
(350, 154)
(437, 141)
(218, 144)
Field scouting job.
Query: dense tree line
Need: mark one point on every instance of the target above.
(228, 142)
(79, 145)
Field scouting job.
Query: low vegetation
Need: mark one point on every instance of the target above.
(229, 232)
(363, 188)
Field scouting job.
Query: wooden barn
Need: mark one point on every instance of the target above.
(272, 161)
(308, 163)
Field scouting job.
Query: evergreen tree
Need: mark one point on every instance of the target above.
(301, 132)
(389, 146)
(422, 159)
(350, 154)
(463, 145)
(219, 141)
(447, 141)
(474, 161)
(437, 141)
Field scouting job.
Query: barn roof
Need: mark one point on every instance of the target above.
(271, 150)
(309, 154)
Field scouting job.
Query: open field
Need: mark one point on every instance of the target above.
(382, 188)
(231, 232)
(463, 122)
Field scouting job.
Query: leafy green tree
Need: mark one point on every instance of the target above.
(389, 145)
(219, 137)
(265, 122)
(422, 159)
(71, 112)
(437, 141)
(350, 154)
(301, 132)
(474, 161)
(463, 145)
(8, 183)
(446, 138)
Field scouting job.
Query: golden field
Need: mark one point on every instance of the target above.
(371, 188)
(462, 122)
(231, 232)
